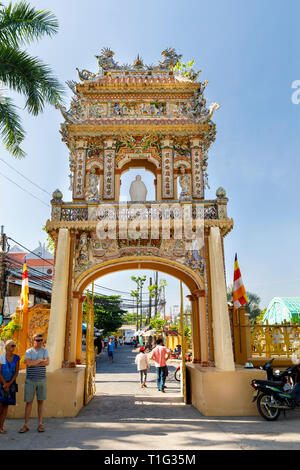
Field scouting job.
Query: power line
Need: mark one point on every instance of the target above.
(29, 251)
(39, 279)
(25, 177)
(28, 192)
(121, 292)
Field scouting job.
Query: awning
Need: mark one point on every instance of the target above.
(84, 327)
(148, 333)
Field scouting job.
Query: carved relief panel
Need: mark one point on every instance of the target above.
(109, 169)
(167, 164)
(79, 176)
(197, 176)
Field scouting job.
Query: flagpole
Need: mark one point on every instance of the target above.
(24, 312)
(239, 296)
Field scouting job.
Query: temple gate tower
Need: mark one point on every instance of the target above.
(156, 118)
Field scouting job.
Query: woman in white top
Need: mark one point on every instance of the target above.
(143, 366)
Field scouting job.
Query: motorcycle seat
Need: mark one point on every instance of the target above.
(272, 383)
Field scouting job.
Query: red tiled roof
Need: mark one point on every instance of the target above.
(19, 257)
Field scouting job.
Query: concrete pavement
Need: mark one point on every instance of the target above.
(124, 417)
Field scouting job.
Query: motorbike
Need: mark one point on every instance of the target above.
(177, 373)
(280, 392)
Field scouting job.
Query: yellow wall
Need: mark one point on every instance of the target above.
(65, 389)
(215, 392)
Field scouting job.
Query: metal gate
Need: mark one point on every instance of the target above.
(90, 364)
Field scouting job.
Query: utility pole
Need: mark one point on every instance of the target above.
(156, 294)
(141, 304)
(150, 301)
(164, 302)
(2, 273)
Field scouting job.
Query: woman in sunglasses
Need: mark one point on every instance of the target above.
(9, 370)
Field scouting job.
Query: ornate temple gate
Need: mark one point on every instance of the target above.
(90, 364)
(151, 117)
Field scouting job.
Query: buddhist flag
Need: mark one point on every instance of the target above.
(239, 292)
(25, 288)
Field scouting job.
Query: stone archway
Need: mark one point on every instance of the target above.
(185, 274)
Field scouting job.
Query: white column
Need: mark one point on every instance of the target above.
(57, 322)
(221, 324)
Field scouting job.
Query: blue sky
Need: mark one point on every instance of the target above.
(249, 52)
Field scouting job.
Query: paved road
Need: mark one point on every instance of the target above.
(124, 417)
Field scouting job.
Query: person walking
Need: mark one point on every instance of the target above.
(98, 344)
(9, 370)
(36, 360)
(160, 354)
(143, 366)
(111, 349)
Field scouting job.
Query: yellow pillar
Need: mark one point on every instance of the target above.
(79, 331)
(203, 330)
(74, 327)
(158, 187)
(196, 354)
(117, 186)
(57, 322)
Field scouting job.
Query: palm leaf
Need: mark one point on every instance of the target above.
(22, 24)
(11, 129)
(31, 77)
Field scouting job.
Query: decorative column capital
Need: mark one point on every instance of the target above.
(199, 293)
(195, 142)
(166, 142)
(191, 297)
(77, 295)
(109, 143)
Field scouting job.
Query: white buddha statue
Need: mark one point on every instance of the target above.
(138, 190)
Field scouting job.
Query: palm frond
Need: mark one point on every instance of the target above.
(22, 24)
(31, 77)
(11, 129)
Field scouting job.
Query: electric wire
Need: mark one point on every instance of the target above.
(29, 251)
(36, 277)
(25, 190)
(26, 178)
(114, 290)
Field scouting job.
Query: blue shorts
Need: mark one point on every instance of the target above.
(111, 353)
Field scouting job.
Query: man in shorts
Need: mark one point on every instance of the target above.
(36, 360)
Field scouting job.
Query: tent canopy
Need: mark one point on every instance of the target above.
(84, 327)
(282, 309)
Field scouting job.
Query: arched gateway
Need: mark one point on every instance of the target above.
(151, 117)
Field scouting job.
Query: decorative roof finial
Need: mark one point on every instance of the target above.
(138, 63)
(170, 58)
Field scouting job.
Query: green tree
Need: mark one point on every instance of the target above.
(21, 24)
(138, 294)
(108, 314)
(185, 69)
(157, 322)
(130, 318)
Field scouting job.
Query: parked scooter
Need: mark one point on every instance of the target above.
(279, 392)
(177, 374)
